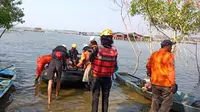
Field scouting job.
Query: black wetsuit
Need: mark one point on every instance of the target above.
(57, 63)
(73, 53)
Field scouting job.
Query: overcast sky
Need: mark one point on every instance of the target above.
(81, 15)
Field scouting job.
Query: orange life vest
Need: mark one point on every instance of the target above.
(105, 61)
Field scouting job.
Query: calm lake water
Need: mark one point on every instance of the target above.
(23, 48)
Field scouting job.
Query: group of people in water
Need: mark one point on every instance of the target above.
(99, 62)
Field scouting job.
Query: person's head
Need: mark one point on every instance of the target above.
(92, 38)
(106, 37)
(65, 47)
(85, 48)
(93, 42)
(167, 44)
(73, 46)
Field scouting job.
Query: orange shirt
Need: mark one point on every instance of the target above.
(161, 68)
(84, 59)
(41, 61)
(44, 59)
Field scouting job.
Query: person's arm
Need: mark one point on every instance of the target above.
(70, 55)
(148, 66)
(67, 58)
(93, 54)
(77, 53)
(116, 66)
(171, 69)
(64, 62)
(67, 61)
(81, 60)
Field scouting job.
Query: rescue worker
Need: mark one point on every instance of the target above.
(92, 38)
(57, 64)
(160, 67)
(73, 53)
(93, 44)
(41, 62)
(87, 66)
(104, 62)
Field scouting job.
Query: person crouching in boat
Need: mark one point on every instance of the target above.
(104, 61)
(160, 68)
(57, 64)
(73, 53)
(41, 62)
(87, 66)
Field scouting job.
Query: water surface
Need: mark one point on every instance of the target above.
(22, 49)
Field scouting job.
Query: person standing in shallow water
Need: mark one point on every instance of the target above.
(57, 64)
(160, 67)
(104, 62)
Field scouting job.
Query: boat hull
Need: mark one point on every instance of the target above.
(68, 76)
(6, 81)
(182, 102)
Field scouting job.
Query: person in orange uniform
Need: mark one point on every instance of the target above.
(104, 63)
(87, 65)
(160, 67)
(41, 62)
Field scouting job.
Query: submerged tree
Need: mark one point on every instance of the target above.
(10, 14)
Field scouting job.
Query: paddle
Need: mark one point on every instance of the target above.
(6, 68)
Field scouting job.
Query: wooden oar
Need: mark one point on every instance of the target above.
(6, 68)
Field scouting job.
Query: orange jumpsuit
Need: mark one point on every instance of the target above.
(41, 62)
(87, 65)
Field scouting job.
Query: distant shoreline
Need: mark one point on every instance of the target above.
(76, 33)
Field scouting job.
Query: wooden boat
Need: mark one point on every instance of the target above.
(6, 80)
(182, 102)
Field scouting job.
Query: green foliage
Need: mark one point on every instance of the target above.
(177, 15)
(10, 13)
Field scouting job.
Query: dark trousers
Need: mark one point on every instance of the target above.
(103, 83)
(161, 95)
(55, 66)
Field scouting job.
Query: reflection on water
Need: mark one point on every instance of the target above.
(122, 99)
